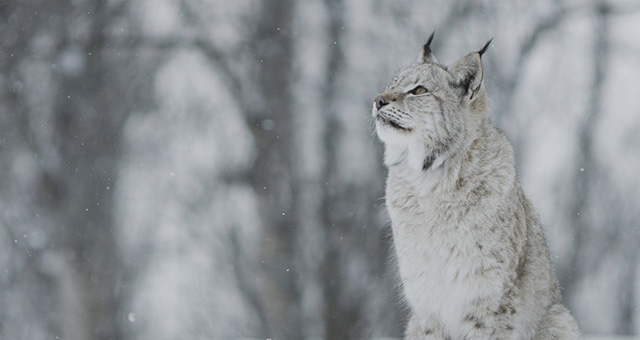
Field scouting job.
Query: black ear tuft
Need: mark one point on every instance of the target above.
(486, 46)
(425, 55)
(426, 49)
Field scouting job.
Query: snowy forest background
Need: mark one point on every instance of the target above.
(183, 169)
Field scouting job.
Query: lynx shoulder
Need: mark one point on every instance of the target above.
(472, 256)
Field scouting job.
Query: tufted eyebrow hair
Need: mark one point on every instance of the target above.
(408, 83)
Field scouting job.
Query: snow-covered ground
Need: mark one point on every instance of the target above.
(610, 337)
(586, 337)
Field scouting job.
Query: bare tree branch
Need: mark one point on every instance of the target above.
(217, 58)
(544, 26)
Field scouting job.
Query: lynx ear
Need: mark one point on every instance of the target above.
(425, 55)
(468, 72)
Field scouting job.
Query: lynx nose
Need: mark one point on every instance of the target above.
(380, 101)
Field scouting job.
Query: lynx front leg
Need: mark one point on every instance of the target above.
(484, 322)
(424, 329)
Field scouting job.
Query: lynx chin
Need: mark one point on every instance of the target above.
(473, 260)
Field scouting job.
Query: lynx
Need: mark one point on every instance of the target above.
(472, 257)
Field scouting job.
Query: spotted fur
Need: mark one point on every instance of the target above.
(472, 256)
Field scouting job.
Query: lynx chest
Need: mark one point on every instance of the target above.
(444, 251)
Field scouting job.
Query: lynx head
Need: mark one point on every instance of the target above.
(430, 110)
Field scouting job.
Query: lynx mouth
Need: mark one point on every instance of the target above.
(391, 122)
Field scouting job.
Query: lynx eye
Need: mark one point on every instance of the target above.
(419, 90)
